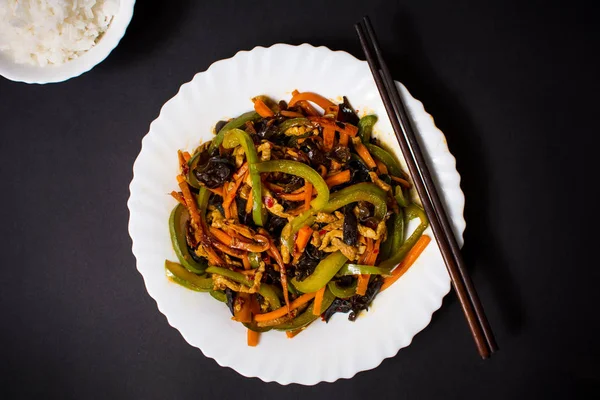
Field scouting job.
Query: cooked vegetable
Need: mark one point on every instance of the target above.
(284, 220)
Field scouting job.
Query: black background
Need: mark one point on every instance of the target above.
(512, 84)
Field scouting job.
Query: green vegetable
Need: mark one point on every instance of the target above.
(358, 269)
(234, 138)
(325, 270)
(188, 279)
(390, 162)
(400, 197)
(359, 192)
(254, 259)
(365, 127)
(301, 170)
(190, 177)
(395, 235)
(219, 295)
(233, 124)
(343, 293)
(411, 212)
(178, 222)
(266, 291)
(293, 122)
(307, 316)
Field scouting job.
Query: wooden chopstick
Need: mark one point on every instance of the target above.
(463, 285)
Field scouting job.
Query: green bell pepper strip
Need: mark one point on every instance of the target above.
(177, 228)
(411, 212)
(182, 276)
(290, 123)
(265, 290)
(365, 127)
(343, 293)
(390, 162)
(325, 270)
(401, 199)
(307, 317)
(301, 170)
(254, 259)
(359, 192)
(395, 235)
(233, 124)
(234, 138)
(358, 269)
(219, 295)
(190, 177)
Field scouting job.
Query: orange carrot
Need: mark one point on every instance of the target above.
(220, 235)
(362, 285)
(228, 199)
(246, 262)
(363, 152)
(186, 156)
(381, 168)
(291, 334)
(292, 196)
(243, 313)
(409, 260)
(262, 109)
(344, 139)
(280, 312)
(179, 197)
(318, 301)
(342, 127)
(308, 189)
(314, 97)
(241, 171)
(401, 181)
(291, 114)
(328, 138)
(218, 191)
(332, 110)
(338, 179)
(189, 200)
(225, 194)
(234, 211)
(182, 161)
(304, 235)
(306, 106)
(253, 338)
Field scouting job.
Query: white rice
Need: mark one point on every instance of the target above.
(42, 32)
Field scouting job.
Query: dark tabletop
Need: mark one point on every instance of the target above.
(512, 84)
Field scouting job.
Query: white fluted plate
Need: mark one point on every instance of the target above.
(323, 352)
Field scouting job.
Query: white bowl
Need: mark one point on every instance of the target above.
(323, 352)
(59, 73)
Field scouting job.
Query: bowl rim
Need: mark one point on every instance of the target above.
(74, 68)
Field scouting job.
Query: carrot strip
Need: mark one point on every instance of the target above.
(344, 139)
(362, 285)
(304, 235)
(179, 197)
(291, 334)
(292, 196)
(310, 96)
(344, 127)
(328, 138)
(240, 172)
(318, 301)
(381, 168)
(308, 189)
(243, 313)
(253, 338)
(234, 211)
(409, 260)
(363, 152)
(182, 161)
(228, 250)
(225, 194)
(280, 312)
(186, 156)
(274, 252)
(262, 109)
(189, 200)
(338, 179)
(213, 257)
(246, 262)
(306, 106)
(227, 200)
(221, 236)
(291, 114)
(401, 181)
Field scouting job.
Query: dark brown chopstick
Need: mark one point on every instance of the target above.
(463, 285)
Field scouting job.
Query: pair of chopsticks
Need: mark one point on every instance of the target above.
(396, 110)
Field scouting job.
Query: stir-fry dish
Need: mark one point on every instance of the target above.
(291, 213)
